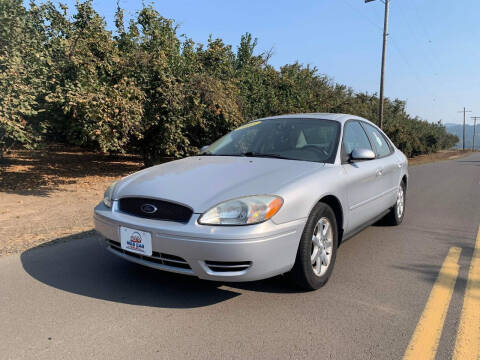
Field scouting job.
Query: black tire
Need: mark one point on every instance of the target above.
(392, 218)
(302, 272)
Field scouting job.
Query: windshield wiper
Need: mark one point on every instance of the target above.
(212, 154)
(255, 154)
(248, 154)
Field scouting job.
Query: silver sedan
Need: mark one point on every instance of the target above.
(275, 196)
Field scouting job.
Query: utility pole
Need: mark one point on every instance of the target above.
(464, 112)
(384, 51)
(474, 126)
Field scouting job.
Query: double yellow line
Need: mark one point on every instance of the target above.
(425, 339)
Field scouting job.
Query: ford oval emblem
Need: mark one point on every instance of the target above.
(148, 208)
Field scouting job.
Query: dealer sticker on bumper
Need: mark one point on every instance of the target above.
(136, 241)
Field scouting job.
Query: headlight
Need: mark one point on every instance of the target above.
(107, 196)
(243, 211)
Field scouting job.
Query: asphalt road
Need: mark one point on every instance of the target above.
(72, 300)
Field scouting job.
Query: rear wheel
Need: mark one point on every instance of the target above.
(396, 214)
(317, 249)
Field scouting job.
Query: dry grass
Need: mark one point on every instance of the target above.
(438, 156)
(45, 195)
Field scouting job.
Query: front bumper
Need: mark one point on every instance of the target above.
(222, 253)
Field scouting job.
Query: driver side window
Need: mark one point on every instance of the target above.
(354, 137)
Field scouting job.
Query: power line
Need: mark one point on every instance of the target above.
(420, 85)
(364, 17)
(409, 65)
(416, 36)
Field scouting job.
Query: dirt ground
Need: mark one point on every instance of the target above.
(49, 194)
(46, 195)
(438, 156)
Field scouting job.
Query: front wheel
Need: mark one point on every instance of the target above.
(317, 249)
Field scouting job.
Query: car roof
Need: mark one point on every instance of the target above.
(325, 116)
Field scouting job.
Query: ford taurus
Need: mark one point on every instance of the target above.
(275, 196)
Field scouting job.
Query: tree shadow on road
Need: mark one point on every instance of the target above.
(80, 265)
(468, 162)
(430, 272)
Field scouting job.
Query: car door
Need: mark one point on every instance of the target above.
(363, 178)
(388, 166)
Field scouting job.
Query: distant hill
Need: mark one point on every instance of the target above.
(457, 129)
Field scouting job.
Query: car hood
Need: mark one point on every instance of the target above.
(201, 182)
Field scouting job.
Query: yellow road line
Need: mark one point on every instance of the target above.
(467, 345)
(424, 342)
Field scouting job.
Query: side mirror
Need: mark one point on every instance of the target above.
(362, 154)
(203, 148)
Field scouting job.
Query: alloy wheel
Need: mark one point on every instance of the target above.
(322, 246)
(400, 202)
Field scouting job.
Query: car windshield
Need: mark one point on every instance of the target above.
(286, 138)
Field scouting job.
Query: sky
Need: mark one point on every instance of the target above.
(433, 52)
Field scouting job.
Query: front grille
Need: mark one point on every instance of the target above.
(157, 257)
(163, 210)
(228, 266)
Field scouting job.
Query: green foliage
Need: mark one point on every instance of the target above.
(94, 102)
(23, 65)
(145, 89)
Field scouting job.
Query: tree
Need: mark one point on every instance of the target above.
(145, 89)
(22, 74)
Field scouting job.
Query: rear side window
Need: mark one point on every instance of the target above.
(354, 137)
(381, 144)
